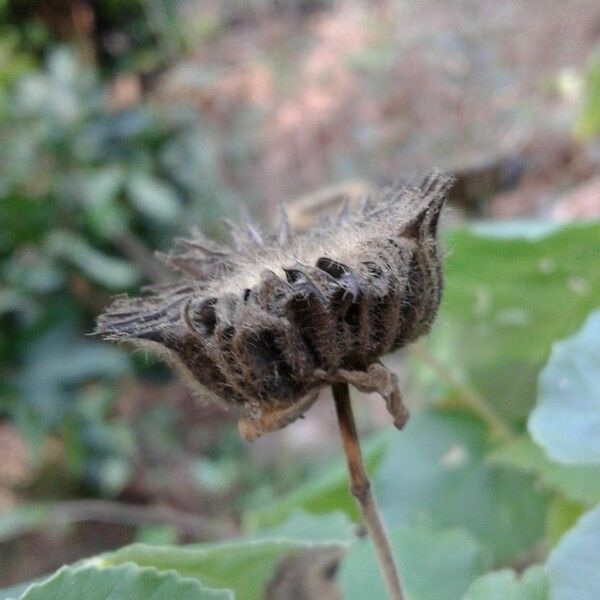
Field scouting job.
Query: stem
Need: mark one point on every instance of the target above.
(360, 487)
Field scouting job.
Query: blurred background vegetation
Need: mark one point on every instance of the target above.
(124, 123)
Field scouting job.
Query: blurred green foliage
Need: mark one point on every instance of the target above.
(85, 189)
(122, 34)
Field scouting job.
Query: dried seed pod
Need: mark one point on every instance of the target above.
(263, 324)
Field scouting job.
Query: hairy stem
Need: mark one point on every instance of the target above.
(360, 486)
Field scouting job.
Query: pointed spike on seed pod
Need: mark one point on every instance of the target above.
(164, 331)
(225, 309)
(437, 183)
(324, 223)
(346, 283)
(343, 213)
(414, 227)
(294, 274)
(237, 238)
(207, 248)
(433, 214)
(195, 238)
(345, 296)
(269, 287)
(282, 226)
(399, 186)
(270, 277)
(173, 290)
(436, 187)
(428, 183)
(332, 267)
(271, 282)
(126, 319)
(366, 205)
(351, 283)
(251, 230)
(201, 315)
(155, 335)
(376, 275)
(164, 257)
(302, 285)
(199, 268)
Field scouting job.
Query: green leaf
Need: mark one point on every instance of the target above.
(579, 483)
(436, 471)
(573, 566)
(505, 585)
(325, 492)
(433, 565)
(588, 120)
(108, 271)
(566, 419)
(15, 591)
(304, 527)
(154, 198)
(561, 516)
(506, 301)
(244, 566)
(123, 582)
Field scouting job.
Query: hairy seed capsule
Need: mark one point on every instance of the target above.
(264, 324)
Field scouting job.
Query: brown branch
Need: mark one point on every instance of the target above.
(360, 487)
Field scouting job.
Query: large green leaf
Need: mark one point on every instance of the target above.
(436, 471)
(574, 565)
(434, 565)
(126, 582)
(15, 591)
(243, 566)
(579, 483)
(566, 419)
(507, 299)
(505, 585)
(325, 492)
